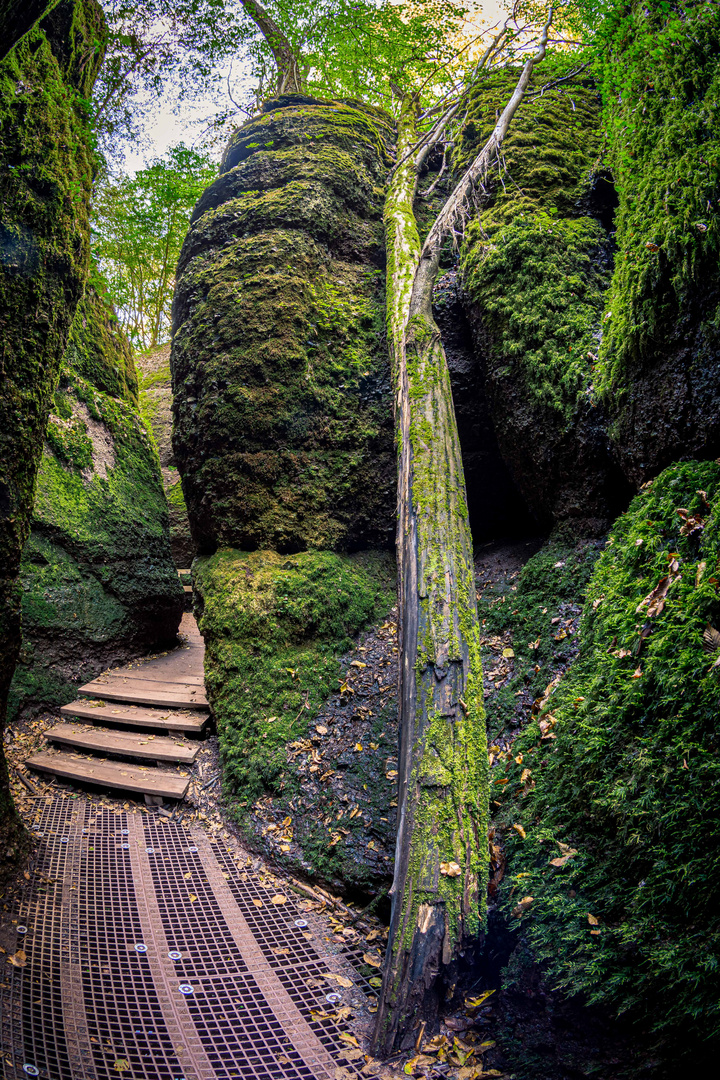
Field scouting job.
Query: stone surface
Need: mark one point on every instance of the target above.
(45, 177)
(98, 581)
(535, 267)
(156, 400)
(282, 387)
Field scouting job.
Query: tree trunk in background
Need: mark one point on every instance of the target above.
(290, 80)
(442, 800)
(45, 181)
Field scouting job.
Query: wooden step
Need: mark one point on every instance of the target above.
(145, 692)
(127, 743)
(187, 588)
(186, 723)
(112, 774)
(156, 675)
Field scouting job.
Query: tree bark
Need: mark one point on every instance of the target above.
(438, 893)
(290, 79)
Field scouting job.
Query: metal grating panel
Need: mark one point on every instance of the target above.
(125, 1020)
(90, 1006)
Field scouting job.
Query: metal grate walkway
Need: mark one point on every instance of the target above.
(150, 952)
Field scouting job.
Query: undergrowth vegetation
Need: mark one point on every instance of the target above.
(612, 820)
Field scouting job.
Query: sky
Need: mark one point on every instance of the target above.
(167, 125)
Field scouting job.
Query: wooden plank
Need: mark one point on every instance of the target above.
(112, 774)
(131, 682)
(190, 723)
(156, 675)
(178, 698)
(127, 743)
(187, 588)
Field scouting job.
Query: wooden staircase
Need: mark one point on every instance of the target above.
(148, 707)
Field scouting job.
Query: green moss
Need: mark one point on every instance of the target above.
(628, 778)
(98, 350)
(47, 161)
(541, 288)
(535, 266)
(97, 578)
(286, 441)
(275, 627)
(661, 86)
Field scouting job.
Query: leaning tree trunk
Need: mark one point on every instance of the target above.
(438, 894)
(442, 802)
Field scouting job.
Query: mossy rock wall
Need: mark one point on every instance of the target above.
(275, 628)
(46, 170)
(98, 582)
(535, 267)
(156, 400)
(283, 401)
(660, 356)
(615, 785)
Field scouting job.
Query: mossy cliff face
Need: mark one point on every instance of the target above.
(45, 80)
(660, 357)
(608, 805)
(275, 628)
(98, 351)
(535, 266)
(97, 578)
(283, 400)
(156, 400)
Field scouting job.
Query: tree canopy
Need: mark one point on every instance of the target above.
(139, 224)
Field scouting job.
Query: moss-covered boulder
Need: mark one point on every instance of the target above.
(156, 400)
(275, 629)
(97, 578)
(46, 164)
(611, 814)
(535, 267)
(283, 399)
(660, 355)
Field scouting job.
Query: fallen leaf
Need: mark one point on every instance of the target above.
(321, 729)
(562, 859)
(19, 959)
(373, 961)
(508, 653)
(450, 869)
(476, 1002)
(520, 831)
(357, 663)
(358, 748)
(523, 906)
(637, 673)
(711, 639)
(257, 902)
(192, 898)
(341, 980)
(651, 246)
(348, 1038)
(592, 920)
(279, 899)
(122, 1065)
